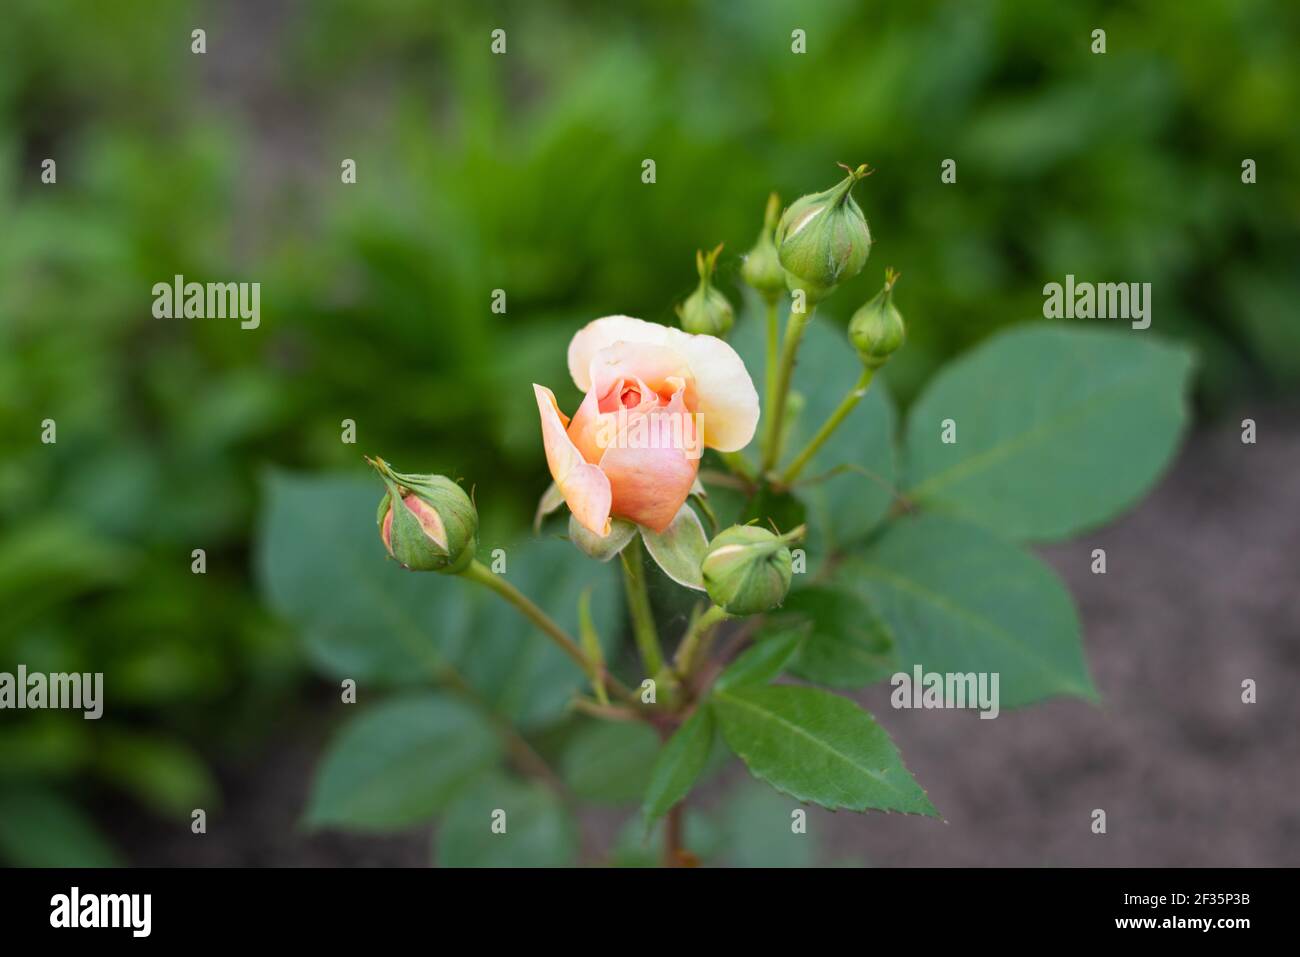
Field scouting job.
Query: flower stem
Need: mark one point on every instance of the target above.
(609, 712)
(832, 423)
(794, 328)
(696, 640)
(591, 647)
(480, 573)
(702, 503)
(773, 347)
(738, 464)
(525, 756)
(638, 604)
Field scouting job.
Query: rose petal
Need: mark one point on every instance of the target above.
(586, 429)
(662, 369)
(724, 392)
(651, 375)
(726, 398)
(585, 488)
(652, 466)
(601, 334)
(429, 520)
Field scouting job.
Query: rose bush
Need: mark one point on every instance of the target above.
(840, 553)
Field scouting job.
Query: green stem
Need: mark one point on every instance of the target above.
(773, 347)
(608, 712)
(695, 640)
(738, 464)
(591, 646)
(841, 412)
(525, 756)
(702, 503)
(480, 573)
(638, 605)
(794, 328)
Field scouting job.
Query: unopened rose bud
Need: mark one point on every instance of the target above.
(823, 239)
(747, 569)
(762, 266)
(426, 522)
(876, 329)
(706, 311)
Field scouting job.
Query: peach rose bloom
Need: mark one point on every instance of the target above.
(639, 377)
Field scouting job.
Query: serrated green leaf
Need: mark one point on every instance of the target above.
(1058, 429)
(400, 762)
(680, 763)
(767, 657)
(610, 762)
(847, 646)
(961, 600)
(532, 827)
(816, 746)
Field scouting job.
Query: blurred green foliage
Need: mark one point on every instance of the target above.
(523, 172)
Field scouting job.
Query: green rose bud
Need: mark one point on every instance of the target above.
(762, 266)
(426, 522)
(706, 311)
(823, 238)
(747, 569)
(876, 329)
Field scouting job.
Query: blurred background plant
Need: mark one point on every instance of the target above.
(519, 172)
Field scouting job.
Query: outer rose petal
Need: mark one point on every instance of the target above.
(725, 392)
(601, 334)
(585, 430)
(727, 399)
(584, 486)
